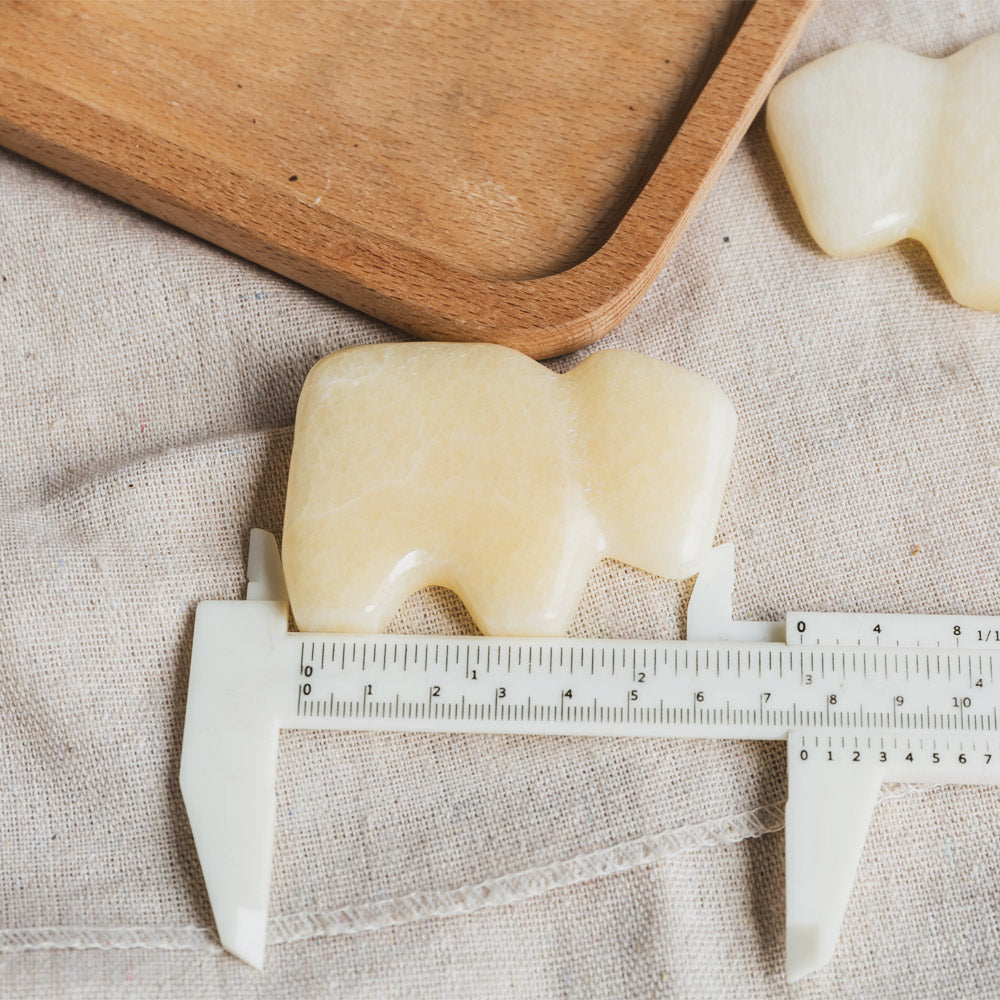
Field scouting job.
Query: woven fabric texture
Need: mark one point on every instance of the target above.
(149, 383)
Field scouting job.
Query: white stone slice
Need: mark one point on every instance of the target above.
(879, 145)
(472, 467)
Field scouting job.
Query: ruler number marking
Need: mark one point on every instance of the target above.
(846, 704)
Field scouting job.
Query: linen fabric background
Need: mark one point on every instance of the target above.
(149, 389)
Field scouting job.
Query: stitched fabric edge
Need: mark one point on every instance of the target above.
(503, 890)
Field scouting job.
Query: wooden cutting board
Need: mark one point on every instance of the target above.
(514, 171)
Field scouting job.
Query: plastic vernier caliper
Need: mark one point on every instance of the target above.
(860, 699)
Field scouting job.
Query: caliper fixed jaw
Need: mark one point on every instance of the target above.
(229, 755)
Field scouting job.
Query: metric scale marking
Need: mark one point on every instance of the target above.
(598, 688)
(853, 717)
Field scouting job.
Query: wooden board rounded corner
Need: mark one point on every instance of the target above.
(554, 315)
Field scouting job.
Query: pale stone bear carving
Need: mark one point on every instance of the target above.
(879, 145)
(472, 467)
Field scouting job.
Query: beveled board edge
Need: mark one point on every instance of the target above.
(543, 317)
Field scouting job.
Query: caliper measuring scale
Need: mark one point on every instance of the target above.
(919, 703)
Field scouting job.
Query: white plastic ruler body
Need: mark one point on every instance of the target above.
(860, 699)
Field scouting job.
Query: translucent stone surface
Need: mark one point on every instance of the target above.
(472, 467)
(878, 145)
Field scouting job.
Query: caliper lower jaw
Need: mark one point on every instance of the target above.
(827, 815)
(229, 756)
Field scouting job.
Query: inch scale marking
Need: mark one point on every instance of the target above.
(853, 716)
(826, 628)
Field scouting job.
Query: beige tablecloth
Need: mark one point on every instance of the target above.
(149, 383)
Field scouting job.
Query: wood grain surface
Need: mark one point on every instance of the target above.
(513, 171)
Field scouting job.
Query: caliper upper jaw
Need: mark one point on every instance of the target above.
(710, 608)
